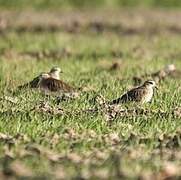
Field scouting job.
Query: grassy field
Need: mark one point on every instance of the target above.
(74, 139)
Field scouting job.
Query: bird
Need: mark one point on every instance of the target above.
(54, 73)
(50, 84)
(142, 94)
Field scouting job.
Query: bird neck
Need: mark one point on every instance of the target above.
(55, 75)
(148, 87)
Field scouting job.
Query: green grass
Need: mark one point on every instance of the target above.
(135, 151)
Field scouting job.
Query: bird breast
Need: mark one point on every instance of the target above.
(148, 95)
(55, 76)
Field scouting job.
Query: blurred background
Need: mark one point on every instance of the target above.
(44, 4)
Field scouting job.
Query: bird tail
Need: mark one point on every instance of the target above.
(116, 101)
(23, 86)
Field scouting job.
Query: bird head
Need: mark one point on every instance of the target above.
(150, 84)
(55, 72)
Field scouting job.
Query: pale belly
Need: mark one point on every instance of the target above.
(148, 96)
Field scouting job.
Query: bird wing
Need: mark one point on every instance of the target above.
(32, 84)
(135, 94)
(55, 85)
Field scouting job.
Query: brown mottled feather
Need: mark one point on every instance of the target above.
(55, 85)
(32, 84)
(54, 73)
(135, 94)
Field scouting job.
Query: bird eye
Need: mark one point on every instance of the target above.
(150, 82)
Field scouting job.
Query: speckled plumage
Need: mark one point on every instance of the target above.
(142, 94)
(54, 73)
(50, 84)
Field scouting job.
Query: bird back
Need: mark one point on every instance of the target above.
(55, 85)
(135, 94)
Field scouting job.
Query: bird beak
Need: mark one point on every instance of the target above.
(61, 71)
(156, 87)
